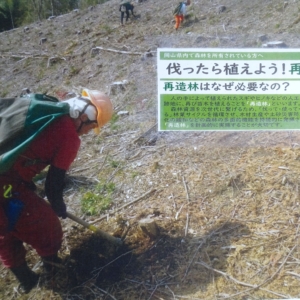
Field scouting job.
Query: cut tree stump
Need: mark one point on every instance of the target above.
(149, 227)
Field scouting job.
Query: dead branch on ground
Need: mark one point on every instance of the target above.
(125, 205)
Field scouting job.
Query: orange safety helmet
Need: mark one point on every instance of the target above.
(103, 105)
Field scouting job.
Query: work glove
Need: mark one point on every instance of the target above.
(60, 209)
(54, 190)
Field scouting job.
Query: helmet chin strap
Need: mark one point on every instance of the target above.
(80, 126)
(83, 111)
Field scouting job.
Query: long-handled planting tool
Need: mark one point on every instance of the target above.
(103, 234)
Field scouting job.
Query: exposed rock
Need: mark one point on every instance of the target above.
(25, 91)
(147, 54)
(118, 87)
(262, 38)
(94, 51)
(42, 41)
(221, 9)
(123, 113)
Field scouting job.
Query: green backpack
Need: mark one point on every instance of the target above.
(22, 119)
(177, 9)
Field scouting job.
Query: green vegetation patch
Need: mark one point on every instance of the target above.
(94, 202)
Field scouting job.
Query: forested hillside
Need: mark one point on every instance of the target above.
(16, 13)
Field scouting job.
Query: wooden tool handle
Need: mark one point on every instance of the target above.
(103, 234)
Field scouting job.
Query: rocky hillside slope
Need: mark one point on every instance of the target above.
(226, 203)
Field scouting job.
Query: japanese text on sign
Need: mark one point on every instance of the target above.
(248, 89)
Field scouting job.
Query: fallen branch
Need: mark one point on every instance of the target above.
(280, 267)
(125, 205)
(142, 136)
(178, 212)
(53, 59)
(98, 270)
(255, 287)
(293, 274)
(23, 56)
(227, 276)
(96, 49)
(203, 241)
(186, 224)
(186, 189)
(107, 293)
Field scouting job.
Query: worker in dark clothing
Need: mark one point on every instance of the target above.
(180, 14)
(125, 8)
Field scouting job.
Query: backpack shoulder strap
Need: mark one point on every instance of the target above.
(177, 9)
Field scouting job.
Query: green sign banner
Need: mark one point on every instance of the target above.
(228, 89)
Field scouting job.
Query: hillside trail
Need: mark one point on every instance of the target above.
(226, 204)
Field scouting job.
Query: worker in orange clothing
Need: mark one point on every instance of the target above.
(180, 13)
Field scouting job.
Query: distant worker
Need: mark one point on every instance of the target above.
(180, 12)
(37, 222)
(125, 7)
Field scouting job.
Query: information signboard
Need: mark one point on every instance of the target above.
(228, 89)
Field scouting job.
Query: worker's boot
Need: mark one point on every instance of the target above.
(52, 263)
(27, 278)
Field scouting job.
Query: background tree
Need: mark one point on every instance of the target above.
(6, 10)
(14, 13)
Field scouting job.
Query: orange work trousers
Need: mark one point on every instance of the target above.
(178, 21)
